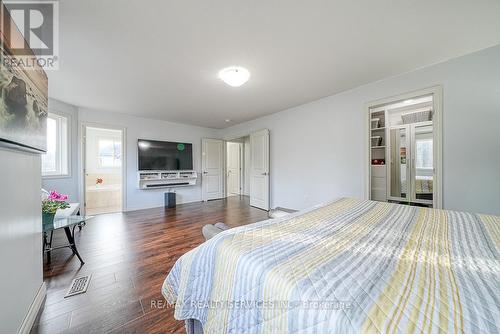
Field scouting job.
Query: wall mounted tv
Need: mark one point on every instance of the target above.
(164, 155)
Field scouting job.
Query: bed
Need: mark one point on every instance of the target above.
(349, 266)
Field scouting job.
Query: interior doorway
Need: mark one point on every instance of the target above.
(236, 166)
(103, 169)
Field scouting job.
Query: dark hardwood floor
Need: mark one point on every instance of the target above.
(129, 256)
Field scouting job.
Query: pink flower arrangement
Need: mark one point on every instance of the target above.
(55, 196)
(54, 202)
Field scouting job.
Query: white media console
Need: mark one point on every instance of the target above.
(153, 179)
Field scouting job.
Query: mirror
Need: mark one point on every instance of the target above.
(424, 162)
(399, 163)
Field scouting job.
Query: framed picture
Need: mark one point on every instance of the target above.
(23, 92)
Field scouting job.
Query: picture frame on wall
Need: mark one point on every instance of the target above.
(23, 93)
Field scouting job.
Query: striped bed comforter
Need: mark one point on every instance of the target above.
(349, 266)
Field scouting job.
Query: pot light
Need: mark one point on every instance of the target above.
(227, 120)
(234, 76)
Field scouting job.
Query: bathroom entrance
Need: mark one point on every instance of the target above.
(103, 170)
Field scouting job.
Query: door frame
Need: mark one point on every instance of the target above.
(437, 101)
(82, 159)
(226, 140)
(238, 136)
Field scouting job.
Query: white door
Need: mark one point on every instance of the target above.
(233, 168)
(212, 161)
(259, 169)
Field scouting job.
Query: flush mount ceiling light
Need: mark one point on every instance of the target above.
(234, 76)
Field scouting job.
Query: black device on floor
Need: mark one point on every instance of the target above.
(170, 200)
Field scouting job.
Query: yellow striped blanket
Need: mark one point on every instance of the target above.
(349, 266)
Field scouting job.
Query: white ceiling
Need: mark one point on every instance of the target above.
(160, 59)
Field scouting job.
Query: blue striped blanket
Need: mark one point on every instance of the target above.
(349, 266)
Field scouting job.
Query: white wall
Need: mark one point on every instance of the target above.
(318, 150)
(66, 185)
(143, 128)
(20, 236)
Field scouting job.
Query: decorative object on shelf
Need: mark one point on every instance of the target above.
(417, 116)
(99, 181)
(376, 140)
(378, 161)
(375, 123)
(402, 154)
(51, 204)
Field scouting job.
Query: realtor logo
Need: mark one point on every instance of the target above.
(38, 22)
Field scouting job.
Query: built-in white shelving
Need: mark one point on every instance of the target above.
(378, 130)
(166, 179)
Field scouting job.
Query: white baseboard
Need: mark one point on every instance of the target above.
(35, 306)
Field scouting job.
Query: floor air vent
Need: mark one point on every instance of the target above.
(78, 285)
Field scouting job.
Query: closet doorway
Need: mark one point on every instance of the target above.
(404, 155)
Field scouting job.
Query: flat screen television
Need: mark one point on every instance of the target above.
(164, 155)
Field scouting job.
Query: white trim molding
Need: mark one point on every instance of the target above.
(33, 310)
(81, 160)
(69, 148)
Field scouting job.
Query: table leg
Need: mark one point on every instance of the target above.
(72, 244)
(47, 244)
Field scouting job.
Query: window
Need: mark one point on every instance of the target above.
(109, 153)
(55, 162)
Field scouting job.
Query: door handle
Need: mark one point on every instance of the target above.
(205, 172)
(265, 173)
